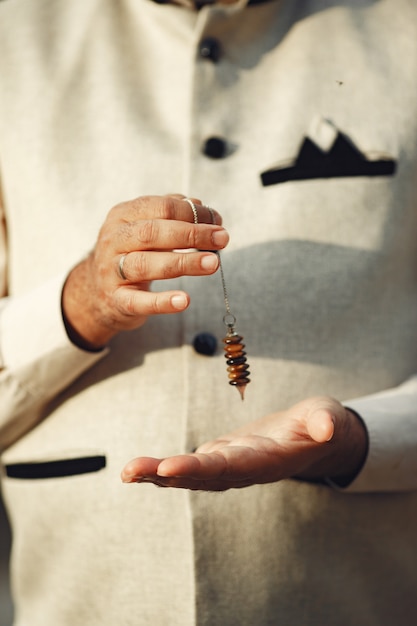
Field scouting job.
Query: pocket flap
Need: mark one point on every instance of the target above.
(55, 468)
(328, 153)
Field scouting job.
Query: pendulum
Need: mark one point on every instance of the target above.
(234, 348)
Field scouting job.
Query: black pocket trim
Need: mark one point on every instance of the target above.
(56, 469)
(342, 160)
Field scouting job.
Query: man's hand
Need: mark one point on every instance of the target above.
(314, 439)
(152, 233)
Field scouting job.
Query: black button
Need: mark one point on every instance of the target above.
(210, 49)
(199, 4)
(205, 343)
(215, 148)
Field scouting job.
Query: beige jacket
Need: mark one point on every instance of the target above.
(102, 101)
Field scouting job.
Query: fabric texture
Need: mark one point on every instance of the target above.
(102, 102)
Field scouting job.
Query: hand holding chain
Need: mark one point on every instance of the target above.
(237, 366)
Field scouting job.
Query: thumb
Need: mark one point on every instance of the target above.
(321, 419)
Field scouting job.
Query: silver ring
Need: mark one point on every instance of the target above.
(213, 219)
(193, 208)
(120, 267)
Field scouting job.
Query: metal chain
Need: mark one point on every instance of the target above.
(229, 319)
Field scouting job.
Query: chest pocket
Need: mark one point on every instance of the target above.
(326, 152)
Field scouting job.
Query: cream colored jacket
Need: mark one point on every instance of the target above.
(103, 101)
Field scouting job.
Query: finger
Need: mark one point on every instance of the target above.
(194, 484)
(148, 470)
(202, 213)
(138, 468)
(181, 196)
(160, 234)
(199, 472)
(201, 466)
(136, 303)
(164, 207)
(136, 267)
(172, 234)
(320, 425)
(252, 458)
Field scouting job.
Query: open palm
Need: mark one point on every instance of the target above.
(315, 438)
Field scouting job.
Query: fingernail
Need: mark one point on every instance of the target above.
(220, 238)
(179, 302)
(130, 478)
(210, 262)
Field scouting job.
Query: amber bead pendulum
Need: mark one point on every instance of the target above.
(235, 354)
(234, 348)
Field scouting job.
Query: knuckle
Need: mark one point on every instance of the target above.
(105, 233)
(129, 304)
(125, 234)
(155, 304)
(140, 265)
(137, 303)
(140, 204)
(167, 207)
(117, 230)
(176, 267)
(192, 236)
(117, 211)
(147, 232)
(181, 264)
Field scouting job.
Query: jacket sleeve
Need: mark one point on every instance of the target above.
(391, 419)
(37, 360)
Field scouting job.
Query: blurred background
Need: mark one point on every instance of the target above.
(6, 611)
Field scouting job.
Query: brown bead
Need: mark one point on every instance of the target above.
(232, 337)
(236, 361)
(232, 348)
(238, 375)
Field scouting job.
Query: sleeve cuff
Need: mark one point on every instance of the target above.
(35, 347)
(391, 420)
